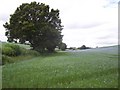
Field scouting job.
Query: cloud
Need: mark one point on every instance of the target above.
(4, 17)
(104, 37)
(107, 42)
(111, 3)
(90, 22)
(2, 32)
(82, 26)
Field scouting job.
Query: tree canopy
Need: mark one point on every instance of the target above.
(84, 47)
(36, 23)
(62, 46)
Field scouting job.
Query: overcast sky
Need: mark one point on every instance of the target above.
(86, 22)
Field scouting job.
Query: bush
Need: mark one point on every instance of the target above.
(29, 52)
(32, 52)
(72, 48)
(16, 49)
(11, 50)
(62, 46)
(83, 47)
(8, 51)
(6, 59)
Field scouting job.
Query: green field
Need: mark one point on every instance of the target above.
(94, 68)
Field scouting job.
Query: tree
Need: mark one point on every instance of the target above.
(62, 46)
(84, 47)
(36, 23)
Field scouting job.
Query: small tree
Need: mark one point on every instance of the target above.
(83, 47)
(36, 23)
(62, 46)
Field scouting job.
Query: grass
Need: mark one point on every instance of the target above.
(0, 66)
(0, 77)
(95, 68)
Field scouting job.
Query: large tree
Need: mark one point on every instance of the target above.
(36, 23)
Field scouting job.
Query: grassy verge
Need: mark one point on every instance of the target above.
(1, 74)
(1, 77)
(95, 68)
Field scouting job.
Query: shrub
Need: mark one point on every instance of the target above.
(8, 51)
(62, 46)
(83, 47)
(6, 59)
(16, 49)
(32, 52)
(11, 50)
(72, 48)
(29, 52)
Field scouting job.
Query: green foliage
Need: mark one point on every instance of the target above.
(29, 52)
(72, 48)
(6, 59)
(8, 51)
(11, 50)
(1, 78)
(36, 23)
(62, 46)
(83, 47)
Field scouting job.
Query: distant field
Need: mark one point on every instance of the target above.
(94, 68)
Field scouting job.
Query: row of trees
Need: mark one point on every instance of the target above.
(81, 48)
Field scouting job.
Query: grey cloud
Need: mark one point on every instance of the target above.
(107, 43)
(107, 40)
(83, 26)
(104, 37)
(4, 17)
(111, 3)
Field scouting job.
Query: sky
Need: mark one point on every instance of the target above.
(86, 22)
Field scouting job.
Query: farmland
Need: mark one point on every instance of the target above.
(93, 68)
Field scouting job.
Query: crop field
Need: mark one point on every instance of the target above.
(93, 68)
